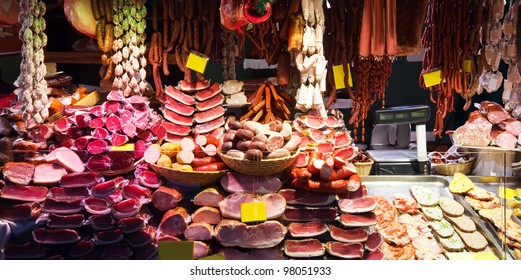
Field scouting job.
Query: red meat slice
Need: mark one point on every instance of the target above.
(125, 116)
(172, 138)
(314, 122)
(113, 123)
(24, 193)
(176, 95)
(342, 139)
(137, 101)
(180, 108)
(199, 231)
(100, 133)
(144, 195)
(306, 248)
(359, 205)
(375, 255)
(209, 92)
(111, 107)
(209, 115)
(101, 222)
(347, 153)
(159, 130)
(357, 235)
(331, 122)
(309, 229)
(97, 206)
(146, 136)
(194, 85)
(132, 224)
(181, 130)
(108, 237)
(55, 236)
(117, 139)
(122, 161)
(231, 233)
(301, 197)
(126, 208)
(65, 221)
(208, 197)
(81, 120)
(116, 197)
(142, 237)
(302, 160)
(174, 222)
(149, 179)
(292, 214)
(97, 111)
(80, 179)
(207, 215)
(14, 211)
(62, 125)
(74, 132)
(48, 173)
(358, 220)
(166, 198)
(82, 248)
(70, 206)
(117, 252)
(345, 251)
(130, 130)
(107, 188)
(97, 123)
(97, 147)
(66, 194)
(210, 103)
(316, 135)
(82, 142)
(99, 163)
(139, 149)
(29, 250)
(178, 119)
(374, 241)
(19, 172)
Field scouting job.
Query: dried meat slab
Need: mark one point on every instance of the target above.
(309, 229)
(301, 197)
(55, 236)
(126, 208)
(174, 222)
(16, 212)
(231, 233)
(29, 250)
(294, 214)
(101, 222)
(344, 250)
(97, 206)
(107, 188)
(79, 180)
(65, 221)
(71, 206)
(356, 235)
(305, 248)
(24, 193)
(360, 205)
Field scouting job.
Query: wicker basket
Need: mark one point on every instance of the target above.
(364, 168)
(188, 179)
(263, 167)
(450, 169)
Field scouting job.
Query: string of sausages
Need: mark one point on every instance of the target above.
(103, 12)
(32, 86)
(265, 39)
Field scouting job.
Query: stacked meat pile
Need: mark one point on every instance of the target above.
(489, 125)
(193, 103)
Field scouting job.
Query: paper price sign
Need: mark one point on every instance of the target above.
(339, 75)
(176, 250)
(506, 192)
(253, 212)
(467, 65)
(485, 256)
(129, 147)
(197, 62)
(215, 257)
(432, 78)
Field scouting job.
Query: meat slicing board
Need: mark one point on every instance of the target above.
(491, 184)
(386, 186)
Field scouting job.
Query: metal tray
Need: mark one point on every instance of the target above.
(386, 186)
(491, 184)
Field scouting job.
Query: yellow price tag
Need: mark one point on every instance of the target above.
(485, 256)
(339, 75)
(460, 256)
(467, 65)
(432, 78)
(215, 257)
(129, 147)
(197, 62)
(253, 212)
(509, 192)
(176, 250)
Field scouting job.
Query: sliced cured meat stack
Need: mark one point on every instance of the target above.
(55, 236)
(305, 248)
(67, 158)
(68, 194)
(126, 208)
(231, 233)
(301, 197)
(105, 189)
(134, 191)
(79, 180)
(373, 242)
(357, 235)
(199, 231)
(178, 119)
(210, 103)
(209, 197)
(359, 205)
(107, 237)
(345, 251)
(375, 255)
(209, 115)
(97, 206)
(82, 248)
(209, 126)
(358, 220)
(236, 182)
(176, 129)
(194, 85)
(174, 95)
(180, 108)
(293, 214)
(165, 198)
(70, 206)
(48, 173)
(101, 222)
(309, 229)
(208, 93)
(118, 251)
(24, 193)
(174, 222)
(201, 250)
(65, 221)
(141, 238)
(231, 206)
(132, 224)
(252, 254)
(206, 214)
(27, 251)
(17, 212)
(18, 172)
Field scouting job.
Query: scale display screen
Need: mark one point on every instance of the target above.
(403, 114)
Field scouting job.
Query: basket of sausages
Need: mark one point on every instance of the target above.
(258, 149)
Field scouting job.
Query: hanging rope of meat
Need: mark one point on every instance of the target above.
(450, 38)
(129, 46)
(509, 48)
(103, 12)
(32, 92)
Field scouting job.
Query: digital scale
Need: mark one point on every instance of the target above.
(390, 141)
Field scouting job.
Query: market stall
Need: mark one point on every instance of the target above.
(172, 154)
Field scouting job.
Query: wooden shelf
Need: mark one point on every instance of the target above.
(83, 57)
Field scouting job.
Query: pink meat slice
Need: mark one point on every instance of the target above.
(67, 158)
(199, 231)
(172, 138)
(316, 135)
(345, 251)
(201, 250)
(149, 179)
(180, 108)
(174, 222)
(134, 191)
(301, 197)
(107, 188)
(111, 106)
(24, 193)
(101, 222)
(194, 85)
(139, 149)
(65, 221)
(236, 182)
(113, 123)
(374, 241)
(62, 125)
(305, 248)
(177, 95)
(302, 160)
(141, 238)
(309, 229)
(331, 122)
(55, 236)
(314, 122)
(359, 205)
(178, 119)
(117, 139)
(115, 95)
(126, 116)
(511, 125)
(503, 139)
(293, 214)
(230, 207)
(97, 206)
(342, 139)
(126, 208)
(210, 115)
(82, 248)
(29, 250)
(132, 224)
(176, 129)
(118, 251)
(207, 215)
(79, 180)
(210, 103)
(76, 193)
(108, 237)
(100, 133)
(231, 233)
(97, 111)
(358, 220)
(208, 197)
(208, 93)
(357, 235)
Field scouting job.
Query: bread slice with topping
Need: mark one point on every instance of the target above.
(453, 243)
(462, 223)
(442, 228)
(481, 194)
(475, 241)
(481, 204)
(424, 196)
(460, 183)
(432, 213)
(451, 207)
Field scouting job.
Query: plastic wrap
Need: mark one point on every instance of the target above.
(232, 14)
